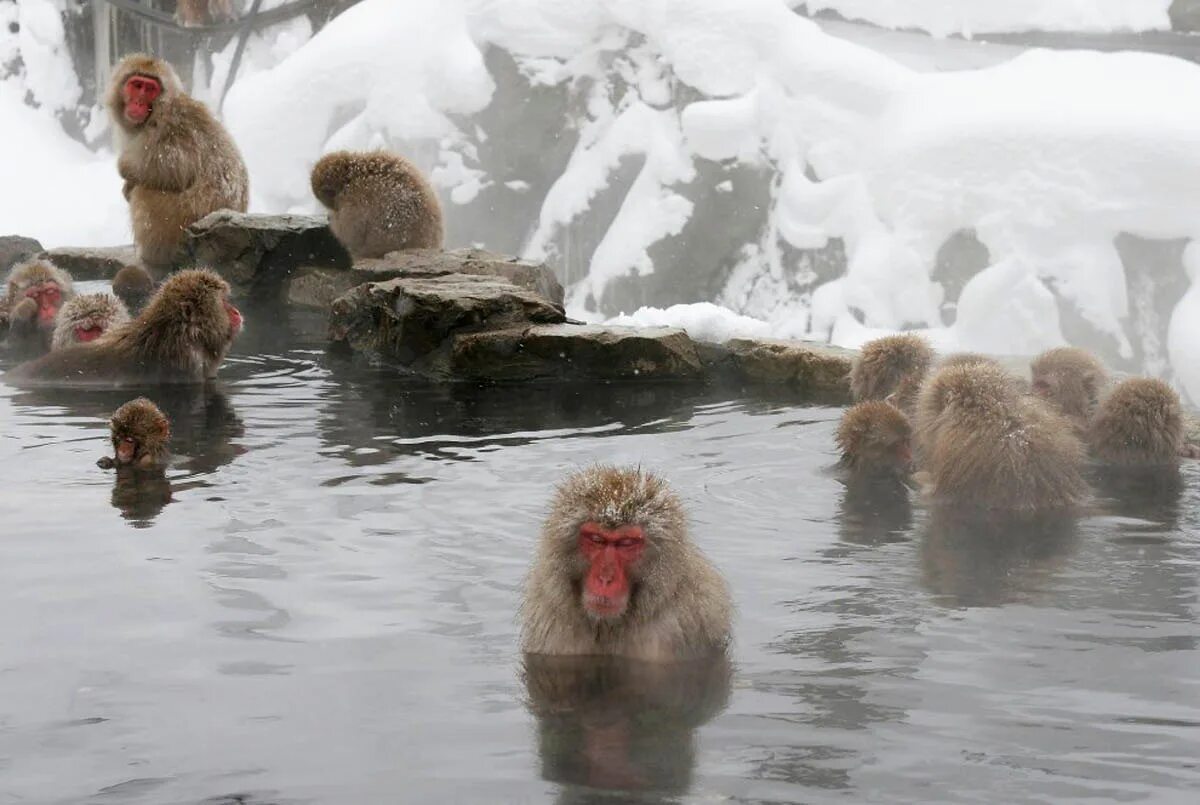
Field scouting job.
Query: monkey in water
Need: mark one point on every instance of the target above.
(87, 317)
(140, 432)
(36, 292)
(193, 13)
(181, 337)
(134, 286)
(1071, 379)
(891, 367)
(179, 164)
(1138, 424)
(875, 439)
(986, 444)
(617, 574)
(378, 203)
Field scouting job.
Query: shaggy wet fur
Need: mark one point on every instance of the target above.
(378, 203)
(871, 436)
(26, 336)
(679, 605)
(892, 365)
(1139, 424)
(89, 311)
(1071, 379)
(148, 427)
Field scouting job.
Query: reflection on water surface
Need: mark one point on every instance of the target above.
(315, 602)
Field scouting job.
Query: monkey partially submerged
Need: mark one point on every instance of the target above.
(36, 291)
(378, 202)
(86, 318)
(179, 164)
(1138, 424)
(181, 337)
(891, 367)
(140, 432)
(1071, 379)
(616, 573)
(875, 439)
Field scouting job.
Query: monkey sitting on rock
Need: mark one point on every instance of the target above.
(378, 203)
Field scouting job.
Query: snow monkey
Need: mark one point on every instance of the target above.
(875, 438)
(36, 291)
(181, 337)
(133, 285)
(987, 444)
(192, 13)
(617, 574)
(86, 318)
(378, 203)
(892, 365)
(1071, 379)
(179, 164)
(1138, 424)
(140, 432)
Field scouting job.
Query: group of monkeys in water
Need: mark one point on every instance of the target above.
(615, 572)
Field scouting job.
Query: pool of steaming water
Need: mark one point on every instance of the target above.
(318, 606)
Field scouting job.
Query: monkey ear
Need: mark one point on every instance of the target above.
(164, 430)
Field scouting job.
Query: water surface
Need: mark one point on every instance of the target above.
(316, 604)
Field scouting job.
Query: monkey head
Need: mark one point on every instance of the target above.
(45, 284)
(139, 83)
(133, 285)
(194, 305)
(87, 317)
(1070, 378)
(330, 175)
(616, 531)
(884, 363)
(140, 432)
(875, 439)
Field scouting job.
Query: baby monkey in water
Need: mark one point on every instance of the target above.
(140, 432)
(875, 439)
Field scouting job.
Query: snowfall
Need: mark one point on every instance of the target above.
(1045, 156)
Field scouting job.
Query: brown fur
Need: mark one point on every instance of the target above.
(1139, 424)
(892, 365)
(134, 286)
(679, 606)
(378, 203)
(1071, 379)
(182, 336)
(178, 166)
(192, 13)
(142, 422)
(25, 334)
(986, 444)
(875, 439)
(87, 311)
(960, 358)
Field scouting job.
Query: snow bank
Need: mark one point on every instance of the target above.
(702, 320)
(968, 17)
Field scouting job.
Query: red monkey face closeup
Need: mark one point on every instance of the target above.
(49, 298)
(610, 555)
(139, 94)
(126, 449)
(88, 332)
(235, 319)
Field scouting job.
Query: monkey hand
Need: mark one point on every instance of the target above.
(106, 463)
(1189, 450)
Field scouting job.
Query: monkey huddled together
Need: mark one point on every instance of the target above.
(979, 436)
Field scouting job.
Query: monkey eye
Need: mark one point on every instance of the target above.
(596, 539)
(628, 542)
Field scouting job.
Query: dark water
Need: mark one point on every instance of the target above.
(316, 604)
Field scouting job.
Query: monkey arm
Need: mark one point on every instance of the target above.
(170, 167)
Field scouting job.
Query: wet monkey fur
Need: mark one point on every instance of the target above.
(140, 433)
(179, 164)
(875, 439)
(87, 317)
(1071, 379)
(616, 573)
(891, 367)
(181, 337)
(134, 286)
(1138, 424)
(378, 203)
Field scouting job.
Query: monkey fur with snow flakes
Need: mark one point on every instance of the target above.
(378, 203)
(179, 164)
(86, 318)
(617, 574)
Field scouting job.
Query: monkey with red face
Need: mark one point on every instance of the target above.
(617, 574)
(179, 164)
(86, 318)
(36, 291)
(140, 432)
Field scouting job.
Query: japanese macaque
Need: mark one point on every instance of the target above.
(959, 358)
(378, 203)
(892, 368)
(181, 337)
(192, 13)
(134, 286)
(1138, 424)
(988, 445)
(140, 432)
(875, 438)
(596, 716)
(616, 573)
(1071, 379)
(179, 164)
(87, 317)
(36, 291)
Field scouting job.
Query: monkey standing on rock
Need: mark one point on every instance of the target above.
(179, 164)
(378, 203)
